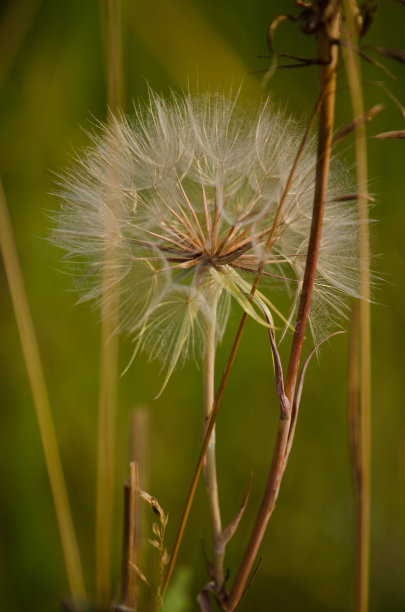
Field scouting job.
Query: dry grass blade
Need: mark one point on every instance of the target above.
(364, 118)
(41, 401)
(394, 135)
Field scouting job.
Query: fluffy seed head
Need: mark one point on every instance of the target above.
(174, 206)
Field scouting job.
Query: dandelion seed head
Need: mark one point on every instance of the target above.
(174, 205)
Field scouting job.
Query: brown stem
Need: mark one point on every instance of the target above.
(129, 584)
(326, 53)
(231, 359)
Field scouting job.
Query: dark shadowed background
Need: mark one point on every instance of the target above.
(52, 89)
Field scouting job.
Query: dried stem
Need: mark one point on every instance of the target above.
(231, 359)
(129, 585)
(360, 360)
(41, 402)
(210, 471)
(326, 53)
(108, 355)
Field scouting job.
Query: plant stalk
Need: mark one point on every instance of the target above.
(361, 359)
(226, 373)
(210, 470)
(42, 408)
(328, 54)
(108, 351)
(209, 428)
(129, 582)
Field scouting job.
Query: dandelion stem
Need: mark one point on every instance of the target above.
(41, 402)
(210, 471)
(360, 360)
(230, 362)
(328, 54)
(200, 461)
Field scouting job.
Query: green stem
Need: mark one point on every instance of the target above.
(41, 402)
(210, 470)
(362, 358)
(108, 348)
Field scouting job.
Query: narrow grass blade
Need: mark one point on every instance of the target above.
(41, 402)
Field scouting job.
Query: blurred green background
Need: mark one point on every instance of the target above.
(53, 87)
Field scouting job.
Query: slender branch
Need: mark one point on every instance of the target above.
(326, 53)
(360, 360)
(41, 402)
(108, 351)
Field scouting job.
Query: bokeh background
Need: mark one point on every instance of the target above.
(52, 89)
